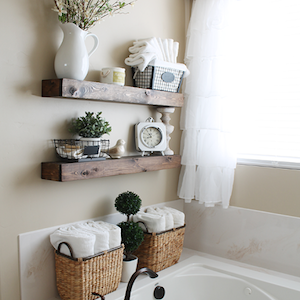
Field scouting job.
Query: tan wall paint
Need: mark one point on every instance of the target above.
(267, 189)
(30, 37)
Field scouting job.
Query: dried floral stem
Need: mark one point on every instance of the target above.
(86, 13)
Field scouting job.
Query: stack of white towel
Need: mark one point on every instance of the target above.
(159, 219)
(155, 52)
(87, 238)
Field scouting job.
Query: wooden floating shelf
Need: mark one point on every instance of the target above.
(87, 90)
(64, 171)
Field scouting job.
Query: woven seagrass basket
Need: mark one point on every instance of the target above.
(160, 250)
(79, 278)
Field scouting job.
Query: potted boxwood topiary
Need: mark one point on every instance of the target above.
(129, 203)
(90, 128)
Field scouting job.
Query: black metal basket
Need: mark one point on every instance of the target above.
(78, 150)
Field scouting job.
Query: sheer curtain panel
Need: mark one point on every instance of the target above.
(207, 144)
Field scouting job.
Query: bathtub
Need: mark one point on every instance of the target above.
(201, 278)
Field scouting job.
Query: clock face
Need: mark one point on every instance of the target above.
(151, 136)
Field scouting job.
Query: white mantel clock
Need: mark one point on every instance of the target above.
(150, 136)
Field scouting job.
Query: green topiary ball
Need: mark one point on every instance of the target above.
(132, 236)
(128, 203)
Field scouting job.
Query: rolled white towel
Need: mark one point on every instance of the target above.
(153, 222)
(141, 60)
(169, 222)
(101, 234)
(82, 242)
(178, 216)
(114, 233)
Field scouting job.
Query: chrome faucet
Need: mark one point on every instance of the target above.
(149, 272)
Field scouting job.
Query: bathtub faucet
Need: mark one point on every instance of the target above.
(149, 272)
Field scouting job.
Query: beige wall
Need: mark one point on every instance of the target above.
(30, 38)
(267, 189)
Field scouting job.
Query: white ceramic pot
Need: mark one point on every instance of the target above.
(129, 267)
(72, 60)
(91, 142)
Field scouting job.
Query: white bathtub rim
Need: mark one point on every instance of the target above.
(225, 268)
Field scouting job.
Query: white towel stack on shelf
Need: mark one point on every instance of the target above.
(159, 219)
(87, 238)
(155, 52)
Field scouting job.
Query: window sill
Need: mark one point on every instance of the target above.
(268, 163)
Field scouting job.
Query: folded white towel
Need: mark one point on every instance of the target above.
(150, 45)
(171, 50)
(153, 222)
(166, 48)
(169, 222)
(141, 60)
(175, 51)
(178, 216)
(82, 242)
(114, 233)
(142, 46)
(100, 232)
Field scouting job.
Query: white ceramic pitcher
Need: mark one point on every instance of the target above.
(72, 59)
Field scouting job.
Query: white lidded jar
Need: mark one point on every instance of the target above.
(113, 75)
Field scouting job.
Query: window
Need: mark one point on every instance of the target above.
(267, 57)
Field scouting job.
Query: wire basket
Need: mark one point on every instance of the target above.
(79, 150)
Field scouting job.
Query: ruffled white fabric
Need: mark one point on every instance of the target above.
(207, 143)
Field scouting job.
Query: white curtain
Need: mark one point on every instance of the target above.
(207, 144)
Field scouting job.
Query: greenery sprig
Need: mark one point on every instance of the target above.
(90, 126)
(86, 13)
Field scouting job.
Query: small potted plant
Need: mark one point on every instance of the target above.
(90, 128)
(129, 203)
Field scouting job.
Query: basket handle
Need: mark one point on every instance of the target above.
(144, 225)
(69, 247)
(96, 294)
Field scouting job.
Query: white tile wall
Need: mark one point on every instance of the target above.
(258, 238)
(36, 259)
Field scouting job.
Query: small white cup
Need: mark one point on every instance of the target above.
(113, 75)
